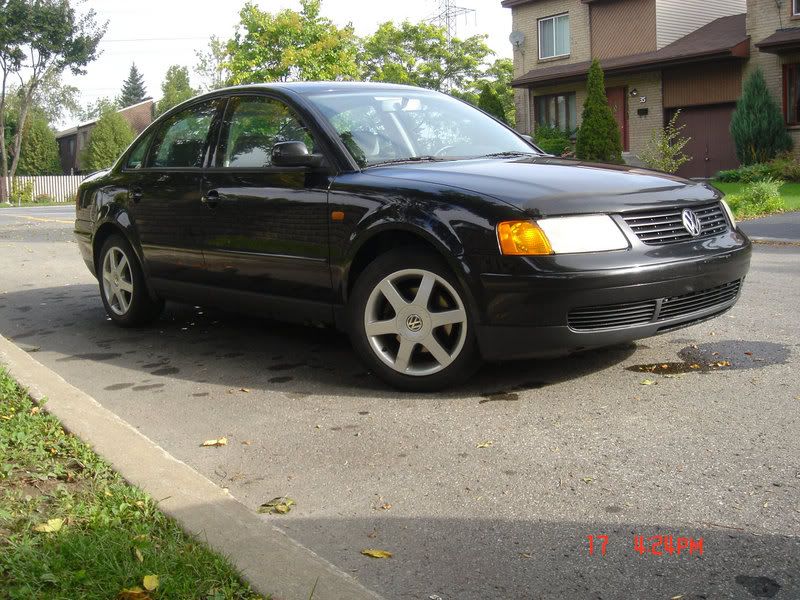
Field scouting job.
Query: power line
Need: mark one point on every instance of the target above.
(447, 14)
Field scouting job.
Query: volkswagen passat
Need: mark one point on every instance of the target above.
(431, 233)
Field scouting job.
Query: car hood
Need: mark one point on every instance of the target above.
(546, 186)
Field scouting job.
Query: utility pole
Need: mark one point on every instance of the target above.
(447, 14)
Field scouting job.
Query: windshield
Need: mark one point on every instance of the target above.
(379, 127)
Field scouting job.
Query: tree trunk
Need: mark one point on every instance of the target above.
(5, 190)
(23, 115)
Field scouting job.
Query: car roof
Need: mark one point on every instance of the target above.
(316, 87)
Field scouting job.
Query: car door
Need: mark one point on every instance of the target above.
(166, 196)
(268, 233)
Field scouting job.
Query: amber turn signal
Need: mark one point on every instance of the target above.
(522, 238)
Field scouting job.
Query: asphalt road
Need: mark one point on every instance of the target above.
(488, 491)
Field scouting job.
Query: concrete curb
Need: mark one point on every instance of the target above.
(271, 561)
(775, 241)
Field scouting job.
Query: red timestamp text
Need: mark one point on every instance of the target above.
(656, 545)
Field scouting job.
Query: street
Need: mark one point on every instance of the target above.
(488, 491)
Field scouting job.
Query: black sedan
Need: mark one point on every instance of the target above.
(431, 233)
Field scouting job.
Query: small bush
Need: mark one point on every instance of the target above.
(759, 198)
(21, 191)
(45, 199)
(665, 152)
(599, 138)
(785, 167)
(553, 140)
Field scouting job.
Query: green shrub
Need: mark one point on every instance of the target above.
(757, 125)
(45, 199)
(21, 191)
(553, 140)
(599, 138)
(759, 198)
(784, 167)
(664, 151)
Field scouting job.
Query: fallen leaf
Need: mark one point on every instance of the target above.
(247, 443)
(526, 555)
(678, 597)
(374, 553)
(587, 479)
(386, 506)
(694, 366)
(723, 363)
(486, 444)
(749, 353)
(138, 554)
(134, 593)
(280, 506)
(220, 442)
(52, 526)
(150, 582)
(245, 390)
(36, 410)
(648, 382)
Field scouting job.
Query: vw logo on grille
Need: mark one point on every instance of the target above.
(414, 323)
(691, 222)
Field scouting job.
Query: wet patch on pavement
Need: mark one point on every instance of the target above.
(719, 356)
(759, 587)
(118, 386)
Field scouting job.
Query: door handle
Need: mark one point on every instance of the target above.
(136, 194)
(212, 198)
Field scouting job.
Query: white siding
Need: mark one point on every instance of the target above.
(677, 18)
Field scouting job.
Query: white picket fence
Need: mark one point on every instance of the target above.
(61, 188)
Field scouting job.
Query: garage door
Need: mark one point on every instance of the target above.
(711, 146)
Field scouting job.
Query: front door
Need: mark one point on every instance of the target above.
(618, 101)
(165, 197)
(268, 229)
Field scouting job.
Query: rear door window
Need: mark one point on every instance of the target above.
(182, 141)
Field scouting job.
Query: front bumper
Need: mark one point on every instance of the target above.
(527, 314)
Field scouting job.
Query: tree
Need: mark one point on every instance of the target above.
(211, 65)
(664, 151)
(110, 137)
(95, 110)
(39, 148)
(599, 137)
(288, 45)
(489, 101)
(757, 124)
(133, 90)
(39, 39)
(420, 54)
(175, 89)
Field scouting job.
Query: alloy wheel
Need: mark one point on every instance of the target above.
(117, 281)
(415, 322)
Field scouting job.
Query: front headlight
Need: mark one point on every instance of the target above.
(560, 235)
(729, 212)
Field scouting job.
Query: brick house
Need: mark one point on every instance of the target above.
(659, 56)
(72, 141)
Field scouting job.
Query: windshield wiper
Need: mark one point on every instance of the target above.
(507, 153)
(408, 159)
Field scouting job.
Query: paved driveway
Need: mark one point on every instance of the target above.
(489, 490)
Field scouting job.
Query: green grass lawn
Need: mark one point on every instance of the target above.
(70, 527)
(790, 192)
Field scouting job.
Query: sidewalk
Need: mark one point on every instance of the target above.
(782, 228)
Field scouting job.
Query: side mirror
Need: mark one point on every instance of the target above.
(294, 154)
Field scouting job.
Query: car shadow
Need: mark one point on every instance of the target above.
(210, 345)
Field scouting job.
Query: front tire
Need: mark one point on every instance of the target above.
(122, 285)
(410, 323)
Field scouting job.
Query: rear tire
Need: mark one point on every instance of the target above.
(410, 323)
(122, 285)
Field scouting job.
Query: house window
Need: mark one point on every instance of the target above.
(554, 36)
(791, 82)
(796, 8)
(556, 110)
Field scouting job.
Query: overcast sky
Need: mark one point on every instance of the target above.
(158, 33)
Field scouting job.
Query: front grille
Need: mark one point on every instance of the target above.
(689, 303)
(665, 226)
(610, 316)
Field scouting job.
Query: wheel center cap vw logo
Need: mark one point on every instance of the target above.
(414, 323)
(691, 222)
